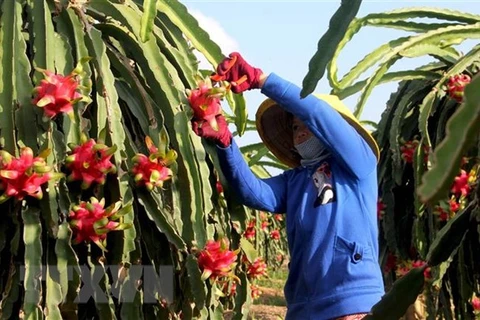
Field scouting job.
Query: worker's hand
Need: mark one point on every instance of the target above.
(222, 137)
(241, 75)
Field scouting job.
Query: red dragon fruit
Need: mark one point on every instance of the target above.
(153, 170)
(205, 102)
(90, 162)
(58, 93)
(257, 269)
(460, 185)
(275, 234)
(24, 176)
(216, 260)
(90, 221)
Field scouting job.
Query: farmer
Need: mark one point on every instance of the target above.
(329, 195)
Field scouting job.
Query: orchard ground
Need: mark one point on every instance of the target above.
(271, 304)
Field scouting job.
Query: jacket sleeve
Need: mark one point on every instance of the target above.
(261, 194)
(343, 141)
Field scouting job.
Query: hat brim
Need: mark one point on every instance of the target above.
(274, 127)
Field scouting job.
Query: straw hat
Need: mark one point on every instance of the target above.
(274, 127)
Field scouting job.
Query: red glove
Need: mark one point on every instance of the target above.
(222, 137)
(238, 72)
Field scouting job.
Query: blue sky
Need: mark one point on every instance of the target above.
(282, 37)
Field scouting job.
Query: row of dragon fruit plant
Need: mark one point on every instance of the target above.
(428, 171)
(135, 187)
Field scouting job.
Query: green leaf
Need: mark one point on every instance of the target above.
(243, 298)
(252, 148)
(64, 63)
(140, 103)
(218, 313)
(461, 129)
(43, 37)
(420, 222)
(273, 164)
(425, 12)
(389, 77)
(25, 116)
(12, 47)
(407, 25)
(66, 259)
(388, 198)
(104, 304)
(32, 238)
(18, 226)
(258, 156)
(108, 106)
(201, 41)
(248, 249)
(148, 17)
(197, 285)
(434, 37)
(100, 223)
(196, 168)
(170, 98)
(369, 123)
(404, 292)
(127, 208)
(328, 42)
(239, 108)
(49, 204)
(132, 310)
(3, 236)
(186, 58)
(371, 83)
(382, 132)
(450, 237)
(257, 161)
(408, 101)
(142, 108)
(199, 38)
(53, 290)
(397, 17)
(429, 49)
(10, 292)
(73, 29)
(157, 215)
(70, 27)
(368, 61)
(106, 95)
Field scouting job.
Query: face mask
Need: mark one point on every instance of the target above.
(310, 149)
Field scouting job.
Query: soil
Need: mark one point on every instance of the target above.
(269, 306)
(266, 312)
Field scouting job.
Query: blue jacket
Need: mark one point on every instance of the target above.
(331, 222)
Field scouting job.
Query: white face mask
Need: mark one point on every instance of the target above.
(310, 149)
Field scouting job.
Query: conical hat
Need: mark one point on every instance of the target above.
(274, 127)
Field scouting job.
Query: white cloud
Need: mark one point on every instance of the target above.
(217, 34)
